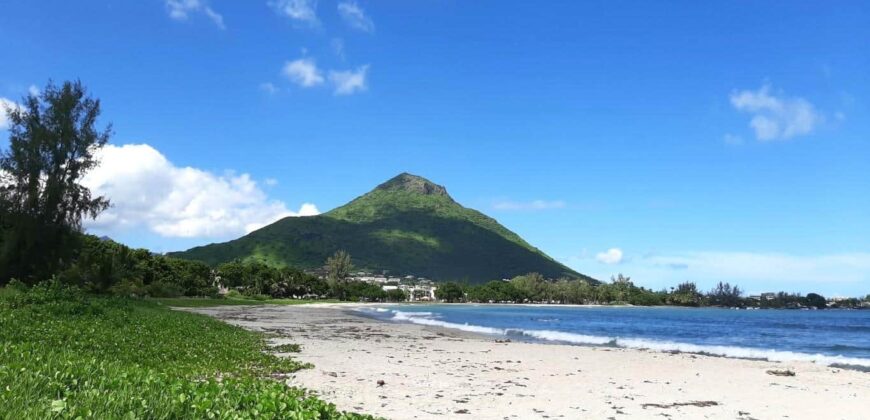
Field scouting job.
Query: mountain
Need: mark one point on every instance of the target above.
(407, 225)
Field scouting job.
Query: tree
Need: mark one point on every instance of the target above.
(530, 286)
(725, 295)
(686, 295)
(450, 292)
(815, 300)
(397, 295)
(338, 268)
(621, 287)
(52, 141)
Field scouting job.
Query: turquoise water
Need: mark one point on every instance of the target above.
(831, 337)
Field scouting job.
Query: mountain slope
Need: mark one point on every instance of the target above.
(407, 225)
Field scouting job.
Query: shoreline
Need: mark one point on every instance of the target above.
(434, 372)
(546, 336)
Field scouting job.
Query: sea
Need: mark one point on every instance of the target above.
(829, 337)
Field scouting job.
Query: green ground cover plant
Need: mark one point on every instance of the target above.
(66, 354)
(206, 302)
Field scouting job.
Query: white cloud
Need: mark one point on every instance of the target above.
(350, 81)
(509, 205)
(269, 88)
(338, 47)
(270, 182)
(776, 118)
(147, 190)
(33, 90)
(182, 9)
(303, 72)
(732, 139)
(610, 257)
(6, 104)
(355, 17)
(301, 11)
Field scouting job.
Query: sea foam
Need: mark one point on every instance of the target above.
(427, 318)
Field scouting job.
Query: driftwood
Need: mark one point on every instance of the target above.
(682, 404)
(780, 372)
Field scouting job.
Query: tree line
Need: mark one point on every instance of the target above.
(534, 288)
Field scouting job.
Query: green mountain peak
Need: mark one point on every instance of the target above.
(407, 225)
(406, 182)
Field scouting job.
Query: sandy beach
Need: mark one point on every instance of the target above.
(429, 372)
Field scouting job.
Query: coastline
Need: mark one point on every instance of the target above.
(435, 372)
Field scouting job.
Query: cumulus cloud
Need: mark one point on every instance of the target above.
(303, 72)
(355, 17)
(610, 257)
(508, 205)
(350, 81)
(776, 117)
(147, 190)
(6, 104)
(299, 11)
(182, 9)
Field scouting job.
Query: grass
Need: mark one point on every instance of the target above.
(206, 302)
(67, 355)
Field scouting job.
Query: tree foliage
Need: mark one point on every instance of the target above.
(725, 295)
(52, 141)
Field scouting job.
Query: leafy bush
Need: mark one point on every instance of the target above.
(287, 348)
(17, 285)
(67, 355)
(162, 289)
(129, 288)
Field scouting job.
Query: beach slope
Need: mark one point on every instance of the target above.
(406, 371)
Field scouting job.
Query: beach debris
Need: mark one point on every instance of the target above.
(682, 404)
(777, 372)
(381, 382)
(507, 340)
(461, 411)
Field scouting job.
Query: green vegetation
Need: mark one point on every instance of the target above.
(207, 302)
(287, 348)
(69, 355)
(52, 140)
(534, 288)
(408, 225)
(72, 350)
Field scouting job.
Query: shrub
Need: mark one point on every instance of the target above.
(161, 289)
(17, 285)
(129, 288)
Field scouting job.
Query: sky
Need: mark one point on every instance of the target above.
(666, 141)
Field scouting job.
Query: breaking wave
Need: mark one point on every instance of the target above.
(428, 318)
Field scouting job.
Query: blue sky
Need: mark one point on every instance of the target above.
(666, 141)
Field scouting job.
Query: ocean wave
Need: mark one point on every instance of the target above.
(425, 318)
(740, 352)
(564, 337)
(418, 318)
(406, 316)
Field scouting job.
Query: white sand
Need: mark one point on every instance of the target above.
(436, 373)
